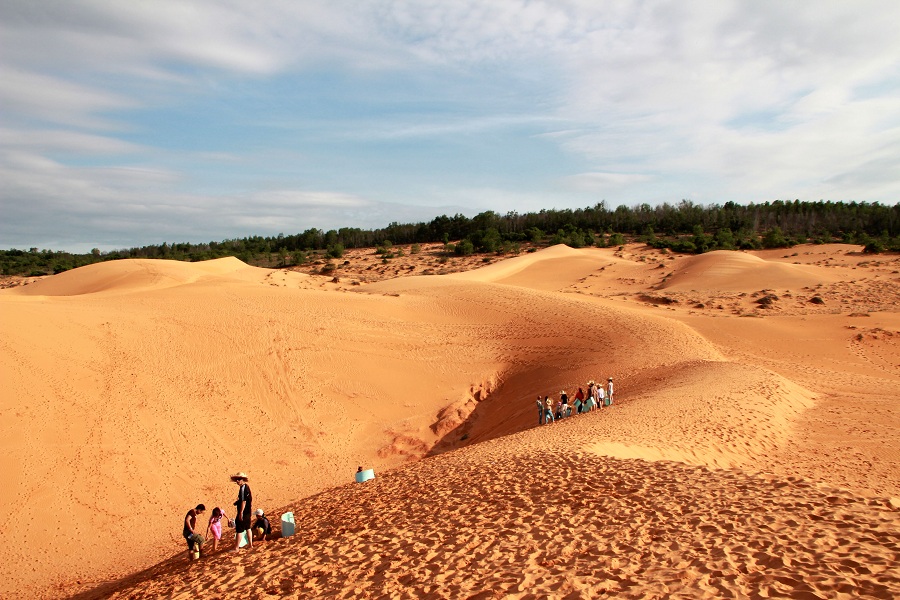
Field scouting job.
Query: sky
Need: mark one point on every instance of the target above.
(125, 124)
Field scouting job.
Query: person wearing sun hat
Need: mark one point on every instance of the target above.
(590, 403)
(244, 504)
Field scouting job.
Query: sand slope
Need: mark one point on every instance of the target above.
(514, 520)
(130, 276)
(735, 271)
(133, 388)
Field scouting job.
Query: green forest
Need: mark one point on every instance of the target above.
(685, 227)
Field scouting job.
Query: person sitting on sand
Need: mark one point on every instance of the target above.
(262, 527)
(190, 534)
(243, 503)
(215, 527)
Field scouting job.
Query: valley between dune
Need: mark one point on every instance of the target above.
(750, 451)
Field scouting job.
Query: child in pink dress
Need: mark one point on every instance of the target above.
(215, 526)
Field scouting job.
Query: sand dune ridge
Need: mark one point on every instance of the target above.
(130, 275)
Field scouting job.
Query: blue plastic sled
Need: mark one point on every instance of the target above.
(365, 475)
(243, 539)
(287, 524)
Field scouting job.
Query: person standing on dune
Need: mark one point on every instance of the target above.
(215, 527)
(589, 403)
(540, 405)
(244, 510)
(548, 410)
(609, 392)
(190, 534)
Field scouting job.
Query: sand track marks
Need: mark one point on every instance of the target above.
(514, 520)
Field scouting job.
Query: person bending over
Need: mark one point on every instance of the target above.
(190, 530)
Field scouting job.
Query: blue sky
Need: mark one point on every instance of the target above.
(132, 123)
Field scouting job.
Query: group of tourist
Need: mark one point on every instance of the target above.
(261, 528)
(595, 398)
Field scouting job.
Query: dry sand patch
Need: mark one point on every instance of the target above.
(510, 518)
(142, 384)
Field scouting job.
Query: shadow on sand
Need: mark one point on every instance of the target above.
(507, 409)
(174, 564)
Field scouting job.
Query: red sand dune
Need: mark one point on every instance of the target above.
(743, 456)
(737, 271)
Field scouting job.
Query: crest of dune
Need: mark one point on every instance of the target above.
(549, 269)
(724, 270)
(132, 275)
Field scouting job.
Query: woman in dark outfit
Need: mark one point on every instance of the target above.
(244, 510)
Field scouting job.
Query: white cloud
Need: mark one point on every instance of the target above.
(230, 35)
(55, 100)
(757, 98)
(739, 99)
(602, 182)
(294, 199)
(60, 140)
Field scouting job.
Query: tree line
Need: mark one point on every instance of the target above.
(684, 227)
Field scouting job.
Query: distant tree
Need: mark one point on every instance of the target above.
(685, 226)
(702, 242)
(575, 239)
(774, 238)
(874, 246)
(336, 250)
(487, 240)
(724, 239)
(464, 248)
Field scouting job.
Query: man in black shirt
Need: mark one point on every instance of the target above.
(244, 504)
